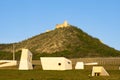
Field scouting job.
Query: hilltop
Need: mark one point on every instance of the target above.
(65, 40)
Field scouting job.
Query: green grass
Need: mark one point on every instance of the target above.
(55, 75)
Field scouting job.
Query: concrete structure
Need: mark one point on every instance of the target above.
(93, 63)
(65, 24)
(79, 65)
(8, 63)
(99, 71)
(26, 60)
(55, 63)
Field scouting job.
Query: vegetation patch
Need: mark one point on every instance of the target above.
(55, 75)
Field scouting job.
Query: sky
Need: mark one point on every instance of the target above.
(22, 19)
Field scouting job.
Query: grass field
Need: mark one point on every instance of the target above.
(55, 75)
(110, 64)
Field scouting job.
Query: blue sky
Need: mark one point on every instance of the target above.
(22, 19)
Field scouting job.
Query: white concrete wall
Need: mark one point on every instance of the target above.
(8, 63)
(79, 65)
(26, 60)
(55, 63)
(68, 64)
(99, 69)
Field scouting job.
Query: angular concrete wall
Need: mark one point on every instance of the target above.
(79, 65)
(26, 60)
(99, 71)
(8, 63)
(55, 63)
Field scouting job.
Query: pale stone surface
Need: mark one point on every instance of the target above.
(8, 63)
(79, 65)
(92, 63)
(65, 24)
(55, 63)
(99, 71)
(26, 60)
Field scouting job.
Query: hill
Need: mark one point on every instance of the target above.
(68, 41)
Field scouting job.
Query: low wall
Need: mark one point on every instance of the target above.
(107, 63)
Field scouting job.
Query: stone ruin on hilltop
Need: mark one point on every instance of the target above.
(65, 24)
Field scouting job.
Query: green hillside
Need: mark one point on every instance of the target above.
(69, 41)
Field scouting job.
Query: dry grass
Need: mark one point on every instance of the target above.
(55, 75)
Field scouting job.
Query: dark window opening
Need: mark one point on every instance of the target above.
(68, 62)
(97, 74)
(59, 64)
